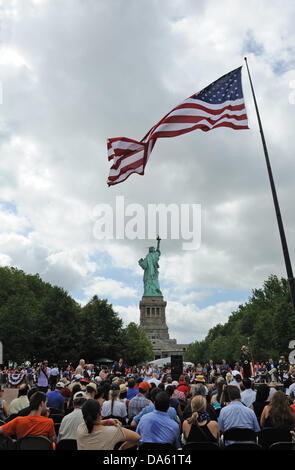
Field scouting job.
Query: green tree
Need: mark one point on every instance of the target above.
(267, 318)
(57, 334)
(101, 330)
(136, 346)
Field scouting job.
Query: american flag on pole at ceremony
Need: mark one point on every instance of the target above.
(220, 104)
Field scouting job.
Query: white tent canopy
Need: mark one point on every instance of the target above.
(167, 361)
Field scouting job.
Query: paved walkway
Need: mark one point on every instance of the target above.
(10, 394)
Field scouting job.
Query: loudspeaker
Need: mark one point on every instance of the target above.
(176, 367)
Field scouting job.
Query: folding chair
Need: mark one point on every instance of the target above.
(34, 443)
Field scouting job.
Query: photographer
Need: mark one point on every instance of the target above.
(43, 373)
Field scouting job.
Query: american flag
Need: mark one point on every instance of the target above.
(220, 104)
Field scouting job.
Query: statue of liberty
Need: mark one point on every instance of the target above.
(150, 266)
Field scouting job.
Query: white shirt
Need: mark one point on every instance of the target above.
(69, 425)
(18, 404)
(155, 381)
(291, 389)
(119, 409)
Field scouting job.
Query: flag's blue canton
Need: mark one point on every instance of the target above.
(228, 87)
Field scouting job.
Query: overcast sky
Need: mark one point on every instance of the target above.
(75, 72)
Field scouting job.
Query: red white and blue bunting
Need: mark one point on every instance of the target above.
(15, 379)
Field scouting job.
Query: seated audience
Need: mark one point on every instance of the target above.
(216, 397)
(248, 396)
(91, 389)
(3, 406)
(97, 434)
(114, 407)
(199, 389)
(21, 401)
(141, 400)
(157, 426)
(278, 414)
(148, 409)
(261, 400)
(55, 400)
(236, 415)
(199, 427)
(131, 392)
(70, 422)
(36, 423)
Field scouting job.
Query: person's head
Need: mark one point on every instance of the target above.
(114, 394)
(198, 405)
(33, 390)
(220, 382)
(91, 412)
(247, 383)
(181, 378)
(229, 378)
(123, 391)
(161, 386)
(59, 386)
(82, 362)
(262, 393)
(144, 388)
(99, 392)
(23, 390)
(91, 389)
(76, 388)
(131, 383)
(79, 399)
(38, 402)
(198, 389)
(170, 390)
(233, 392)
(154, 393)
(162, 401)
(281, 413)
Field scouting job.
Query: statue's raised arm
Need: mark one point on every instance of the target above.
(158, 244)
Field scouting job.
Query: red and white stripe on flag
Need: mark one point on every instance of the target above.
(252, 368)
(221, 104)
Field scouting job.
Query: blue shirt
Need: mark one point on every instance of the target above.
(237, 415)
(55, 400)
(158, 427)
(148, 409)
(131, 392)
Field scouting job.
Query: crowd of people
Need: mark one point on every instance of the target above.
(101, 407)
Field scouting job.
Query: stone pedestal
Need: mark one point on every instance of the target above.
(153, 317)
(153, 322)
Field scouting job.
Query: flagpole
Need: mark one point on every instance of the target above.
(276, 202)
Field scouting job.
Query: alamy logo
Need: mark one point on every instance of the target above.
(134, 221)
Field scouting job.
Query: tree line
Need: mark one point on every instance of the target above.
(41, 321)
(267, 318)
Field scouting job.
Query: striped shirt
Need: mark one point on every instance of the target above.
(137, 404)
